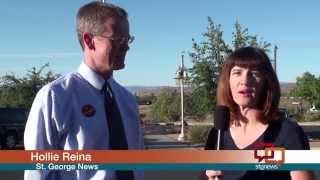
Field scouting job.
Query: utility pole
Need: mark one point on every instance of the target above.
(275, 58)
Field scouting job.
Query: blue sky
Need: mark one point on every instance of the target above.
(37, 32)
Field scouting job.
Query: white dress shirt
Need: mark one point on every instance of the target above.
(57, 120)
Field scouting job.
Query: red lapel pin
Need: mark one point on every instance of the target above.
(88, 110)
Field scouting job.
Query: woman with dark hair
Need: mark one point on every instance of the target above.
(249, 87)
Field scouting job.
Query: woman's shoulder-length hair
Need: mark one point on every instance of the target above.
(253, 58)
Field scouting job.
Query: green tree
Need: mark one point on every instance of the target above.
(308, 87)
(207, 58)
(242, 38)
(196, 105)
(166, 107)
(20, 92)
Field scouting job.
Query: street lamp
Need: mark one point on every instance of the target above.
(181, 75)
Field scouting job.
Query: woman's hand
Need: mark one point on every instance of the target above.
(212, 174)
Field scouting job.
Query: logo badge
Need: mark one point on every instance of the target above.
(88, 110)
(270, 154)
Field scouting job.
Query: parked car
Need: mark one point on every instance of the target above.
(12, 124)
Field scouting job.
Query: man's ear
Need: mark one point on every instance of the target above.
(88, 40)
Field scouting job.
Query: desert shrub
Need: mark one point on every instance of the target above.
(198, 134)
(312, 116)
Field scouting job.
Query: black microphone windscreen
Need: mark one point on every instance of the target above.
(221, 117)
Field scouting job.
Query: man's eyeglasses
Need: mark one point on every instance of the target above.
(120, 40)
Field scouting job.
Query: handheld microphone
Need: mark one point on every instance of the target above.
(221, 123)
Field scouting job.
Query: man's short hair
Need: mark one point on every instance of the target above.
(92, 16)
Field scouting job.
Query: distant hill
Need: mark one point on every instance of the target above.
(145, 90)
(286, 87)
